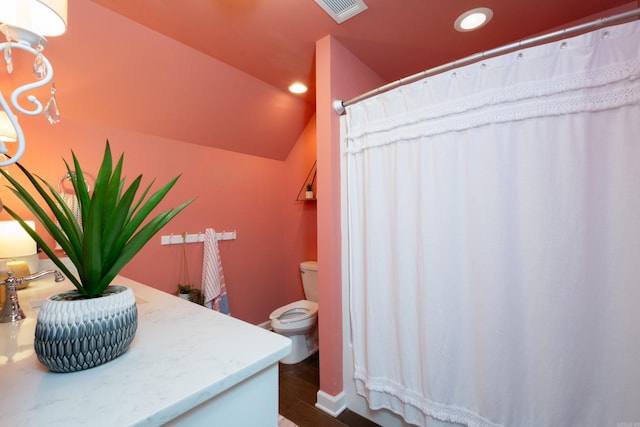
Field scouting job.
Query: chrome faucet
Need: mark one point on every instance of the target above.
(11, 311)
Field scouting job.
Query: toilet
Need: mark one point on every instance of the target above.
(299, 320)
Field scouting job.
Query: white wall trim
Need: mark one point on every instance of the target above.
(332, 405)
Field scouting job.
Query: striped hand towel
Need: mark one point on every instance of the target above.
(213, 285)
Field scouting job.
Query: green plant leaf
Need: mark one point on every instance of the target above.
(112, 230)
(140, 239)
(39, 214)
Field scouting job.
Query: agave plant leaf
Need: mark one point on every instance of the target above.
(98, 204)
(111, 232)
(132, 222)
(47, 250)
(33, 205)
(116, 219)
(143, 196)
(144, 209)
(67, 222)
(23, 194)
(140, 239)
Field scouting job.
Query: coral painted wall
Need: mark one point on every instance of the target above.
(339, 75)
(233, 191)
(149, 103)
(300, 216)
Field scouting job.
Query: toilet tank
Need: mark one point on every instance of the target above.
(309, 271)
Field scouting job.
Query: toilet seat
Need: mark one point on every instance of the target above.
(294, 312)
(297, 321)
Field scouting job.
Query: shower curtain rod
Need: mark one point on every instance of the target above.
(339, 105)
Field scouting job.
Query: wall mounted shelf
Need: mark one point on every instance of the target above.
(309, 182)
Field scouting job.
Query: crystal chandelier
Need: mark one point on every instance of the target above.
(24, 24)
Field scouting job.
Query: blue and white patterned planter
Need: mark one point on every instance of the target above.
(74, 333)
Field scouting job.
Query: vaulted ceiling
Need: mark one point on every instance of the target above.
(269, 44)
(273, 40)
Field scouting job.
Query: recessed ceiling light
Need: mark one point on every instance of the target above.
(297, 88)
(473, 19)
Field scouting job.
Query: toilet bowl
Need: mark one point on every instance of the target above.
(294, 317)
(299, 320)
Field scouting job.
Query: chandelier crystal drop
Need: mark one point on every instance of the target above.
(39, 67)
(51, 110)
(7, 55)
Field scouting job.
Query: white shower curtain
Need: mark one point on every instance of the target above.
(494, 239)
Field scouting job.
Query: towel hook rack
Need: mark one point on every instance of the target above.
(178, 239)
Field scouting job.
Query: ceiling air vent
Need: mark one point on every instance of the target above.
(341, 10)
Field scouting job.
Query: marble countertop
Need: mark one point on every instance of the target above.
(182, 355)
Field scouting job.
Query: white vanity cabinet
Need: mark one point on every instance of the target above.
(187, 365)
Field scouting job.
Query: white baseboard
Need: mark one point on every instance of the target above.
(332, 405)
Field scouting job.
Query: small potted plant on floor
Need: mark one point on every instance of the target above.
(197, 296)
(191, 293)
(184, 291)
(97, 321)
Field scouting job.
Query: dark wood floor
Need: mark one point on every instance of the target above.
(299, 384)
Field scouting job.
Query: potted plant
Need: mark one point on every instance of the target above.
(197, 296)
(115, 225)
(184, 291)
(190, 293)
(309, 194)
